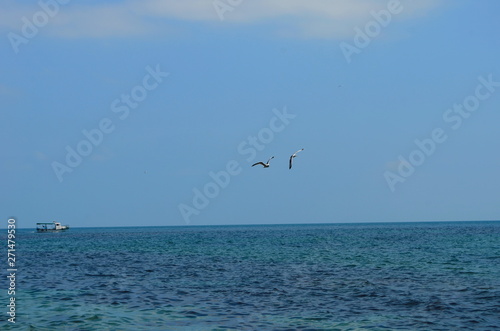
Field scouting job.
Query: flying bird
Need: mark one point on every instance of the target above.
(294, 155)
(265, 165)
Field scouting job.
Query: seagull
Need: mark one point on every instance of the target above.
(293, 156)
(265, 165)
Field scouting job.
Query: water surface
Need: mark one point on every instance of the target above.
(406, 276)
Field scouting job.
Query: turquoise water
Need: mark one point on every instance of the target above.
(404, 276)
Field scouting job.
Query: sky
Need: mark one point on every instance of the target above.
(151, 113)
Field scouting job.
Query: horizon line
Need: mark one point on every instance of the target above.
(268, 224)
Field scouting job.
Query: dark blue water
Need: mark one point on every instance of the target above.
(405, 276)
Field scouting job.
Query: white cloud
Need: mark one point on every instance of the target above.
(99, 22)
(299, 18)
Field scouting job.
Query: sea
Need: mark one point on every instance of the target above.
(373, 276)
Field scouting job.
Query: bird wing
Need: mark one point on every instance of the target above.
(290, 165)
(272, 157)
(258, 163)
(300, 150)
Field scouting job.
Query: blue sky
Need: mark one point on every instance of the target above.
(355, 119)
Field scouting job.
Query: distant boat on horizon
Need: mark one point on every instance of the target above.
(50, 227)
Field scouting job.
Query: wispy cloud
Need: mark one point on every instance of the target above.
(101, 21)
(308, 19)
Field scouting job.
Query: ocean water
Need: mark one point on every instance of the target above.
(392, 276)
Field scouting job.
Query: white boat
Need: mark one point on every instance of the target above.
(50, 227)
